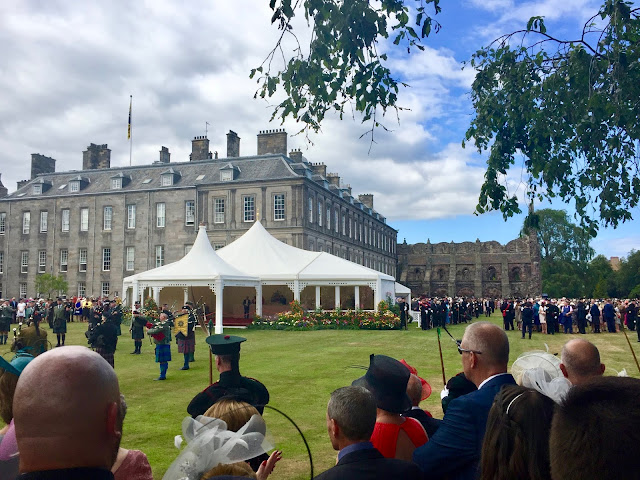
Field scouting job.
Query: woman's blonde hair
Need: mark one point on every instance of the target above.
(233, 412)
(8, 382)
(240, 469)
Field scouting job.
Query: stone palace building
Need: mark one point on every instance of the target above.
(97, 225)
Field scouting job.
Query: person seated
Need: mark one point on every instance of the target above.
(516, 444)
(236, 414)
(595, 430)
(394, 436)
(130, 464)
(580, 361)
(351, 418)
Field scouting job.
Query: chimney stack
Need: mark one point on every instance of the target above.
(319, 169)
(334, 179)
(233, 144)
(199, 149)
(3, 190)
(347, 188)
(41, 164)
(296, 155)
(165, 156)
(96, 157)
(22, 183)
(366, 199)
(272, 141)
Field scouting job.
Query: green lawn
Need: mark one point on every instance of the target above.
(300, 369)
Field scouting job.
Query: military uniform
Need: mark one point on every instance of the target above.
(104, 339)
(137, 331)
(187, 343)
(231, 383)
(59, 322)
(6, 315)
(161, 334)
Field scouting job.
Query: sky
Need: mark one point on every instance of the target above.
(68, 69)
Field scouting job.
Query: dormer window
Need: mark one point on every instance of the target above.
(116, 183)
(229, 172)
(167, 180)
(74, 186)
(37, 189)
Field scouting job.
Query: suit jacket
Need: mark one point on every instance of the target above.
(430, 424)
(454, 451)
(369, 464)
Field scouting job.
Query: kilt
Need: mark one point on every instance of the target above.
(163, 353)
(187, 345)
(108, 356)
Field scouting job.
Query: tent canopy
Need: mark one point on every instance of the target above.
(260, 254)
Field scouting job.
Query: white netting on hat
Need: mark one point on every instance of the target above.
(536, 359)
(211, 444)
(539, 379)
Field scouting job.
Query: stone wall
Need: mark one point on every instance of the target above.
(480, 269)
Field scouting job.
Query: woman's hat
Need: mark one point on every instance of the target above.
(426, 388)
(16, 366)
(386, 379)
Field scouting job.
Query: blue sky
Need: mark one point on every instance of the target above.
(68, 69)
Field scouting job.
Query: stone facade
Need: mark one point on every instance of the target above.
(115, 222)
(467, 269)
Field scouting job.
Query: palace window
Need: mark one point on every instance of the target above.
(106, 289)
(249, 208)
(131, 216)
(278, 207)
(26, 222)
(24, 262)
(44, 221)
(65, 216)
(160, 215)
(106, 259)
(130, 259)
(82, 289)
(82, 260)
(159, 255)
(107, 218)
(190, 213)
(84, 219)
(218, 210)
(3, 223)
(64, 259)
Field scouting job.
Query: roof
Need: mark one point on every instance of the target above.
(260, 254)
(263, 167)
(200, 264)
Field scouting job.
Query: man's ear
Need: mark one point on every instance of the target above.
(564, 370)
(335, 428)
(114, 426)
(602, 367)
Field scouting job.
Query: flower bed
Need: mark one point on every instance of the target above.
(298, 319)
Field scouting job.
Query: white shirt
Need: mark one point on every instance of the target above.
(490, 378)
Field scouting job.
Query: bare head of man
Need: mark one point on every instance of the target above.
(580, 361)
(67, 411)
(485, 351)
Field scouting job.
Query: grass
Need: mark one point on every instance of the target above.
(300, 369)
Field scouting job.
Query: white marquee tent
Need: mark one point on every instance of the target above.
(201, 267)
(261, 255)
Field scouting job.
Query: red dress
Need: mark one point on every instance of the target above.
(385, 436)
(135, 466)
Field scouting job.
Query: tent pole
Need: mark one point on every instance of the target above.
(219, 293)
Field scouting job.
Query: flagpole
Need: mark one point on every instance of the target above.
(130, 130)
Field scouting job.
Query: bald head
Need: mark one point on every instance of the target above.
(66, 411)
(580, 361)
(489, 346)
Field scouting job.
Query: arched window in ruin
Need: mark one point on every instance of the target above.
(441, 274)
(516, 274)
(491, 274)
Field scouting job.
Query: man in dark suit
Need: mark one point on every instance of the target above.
(351, 417)
(454, 451)
(609, 316)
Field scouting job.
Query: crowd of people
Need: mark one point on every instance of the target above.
(494, 425)
(541, 314)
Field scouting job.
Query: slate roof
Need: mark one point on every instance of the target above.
(251, 169)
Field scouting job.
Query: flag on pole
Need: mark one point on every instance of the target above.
(129, 127)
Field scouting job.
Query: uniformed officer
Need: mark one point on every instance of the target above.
(6, 315)
(226, 349)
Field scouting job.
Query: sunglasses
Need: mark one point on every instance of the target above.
(460, 350)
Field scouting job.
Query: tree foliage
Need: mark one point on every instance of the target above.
(343, 69)
(47, 283)
(570, 109)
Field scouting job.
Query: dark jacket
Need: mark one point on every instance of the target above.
(430, 424)
(454, 451)
(369, 464)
